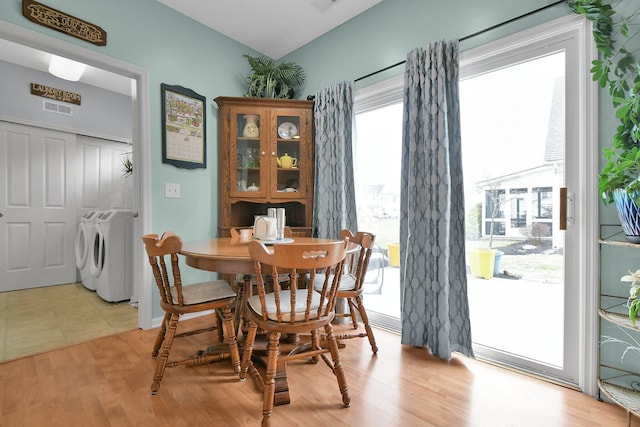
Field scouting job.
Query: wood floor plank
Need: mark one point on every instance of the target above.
(105, 382)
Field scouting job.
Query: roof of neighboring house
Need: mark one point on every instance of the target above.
(510, 176)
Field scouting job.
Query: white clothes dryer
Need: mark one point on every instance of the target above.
(84, 240)
(112, 255)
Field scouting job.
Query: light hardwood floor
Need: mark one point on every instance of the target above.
(41, 319)
(105, 382)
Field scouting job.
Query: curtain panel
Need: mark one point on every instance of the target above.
(334, 200)
(434, 304)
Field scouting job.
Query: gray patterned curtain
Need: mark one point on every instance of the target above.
(435, 309)
(334, 199)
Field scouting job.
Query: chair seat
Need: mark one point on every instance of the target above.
(285, 305)
(203, 292)
(347, 283)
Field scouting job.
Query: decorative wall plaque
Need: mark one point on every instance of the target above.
(53, 93)
(60, 21)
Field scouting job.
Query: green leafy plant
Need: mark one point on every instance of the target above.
(618, 70)
(126, 165)
(268, 80)
(634, 292)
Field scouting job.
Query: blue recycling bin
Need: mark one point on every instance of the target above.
(496, 262)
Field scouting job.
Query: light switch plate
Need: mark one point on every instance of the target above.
(172, 190)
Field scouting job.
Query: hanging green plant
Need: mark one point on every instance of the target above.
(618, 70)
(268, 80)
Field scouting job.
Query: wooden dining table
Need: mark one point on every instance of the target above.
(224, 257)
(227, 257)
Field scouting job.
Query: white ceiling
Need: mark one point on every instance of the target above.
(272, 27)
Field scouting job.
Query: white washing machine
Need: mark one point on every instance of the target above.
(112, 255)
(84, 240)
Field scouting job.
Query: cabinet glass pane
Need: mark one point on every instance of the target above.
(248, 152)
(288, 152)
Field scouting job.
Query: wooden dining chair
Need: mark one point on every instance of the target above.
(298, 309)
(176, 300)
(352, 285)
(244, 283)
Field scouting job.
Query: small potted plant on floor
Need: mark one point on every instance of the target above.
(618, 70)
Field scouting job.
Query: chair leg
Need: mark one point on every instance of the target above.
(337, 365)
(367, 327)
(219, 317)
(270, 375)
(315, 344)
(160, 337)
(230, 337)
(242, 296)
(354, 313)
(248, 349)
(164, 352)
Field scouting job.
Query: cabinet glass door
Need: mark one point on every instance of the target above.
(288, 153)
(247, 146)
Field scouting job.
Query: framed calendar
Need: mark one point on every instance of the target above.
(184, 142)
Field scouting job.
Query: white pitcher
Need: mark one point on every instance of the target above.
(265, 228)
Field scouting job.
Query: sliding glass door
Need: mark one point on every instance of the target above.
(514, 167)
(522, 129)
(523, 108)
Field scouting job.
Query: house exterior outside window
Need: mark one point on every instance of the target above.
(520, 205)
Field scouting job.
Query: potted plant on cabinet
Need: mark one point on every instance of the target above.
(268, 80)
(618, 70)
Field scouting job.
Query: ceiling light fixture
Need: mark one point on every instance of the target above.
(66, 68)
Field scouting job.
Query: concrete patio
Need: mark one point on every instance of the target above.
(518, 316)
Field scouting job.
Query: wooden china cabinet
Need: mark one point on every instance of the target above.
(265, 160)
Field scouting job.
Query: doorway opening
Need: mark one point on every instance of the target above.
(140, 147)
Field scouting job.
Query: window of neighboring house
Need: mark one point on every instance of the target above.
(495, 203)
(543, 203)
(518, 207)
(494, 212)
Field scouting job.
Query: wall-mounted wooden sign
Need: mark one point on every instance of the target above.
(53, 93)
(60, 21)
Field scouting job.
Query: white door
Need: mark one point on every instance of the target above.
(37, 204)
